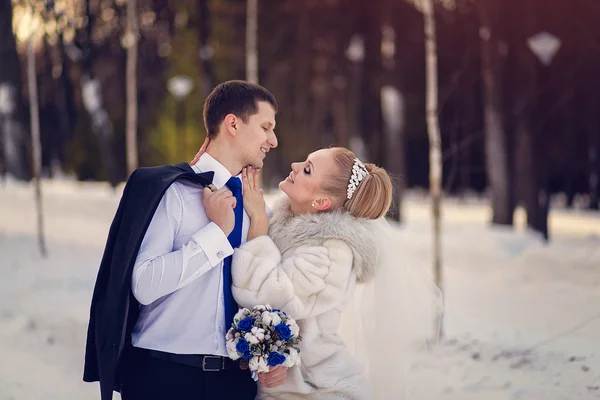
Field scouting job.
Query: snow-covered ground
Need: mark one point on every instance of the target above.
(522, 318)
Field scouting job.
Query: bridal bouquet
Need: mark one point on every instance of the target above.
(262, 338)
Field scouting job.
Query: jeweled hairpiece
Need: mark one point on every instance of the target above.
(359, 171)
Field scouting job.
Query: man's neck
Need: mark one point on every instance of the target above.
(223, 154)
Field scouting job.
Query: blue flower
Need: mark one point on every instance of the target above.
(283, 331)
(242, 346)
(275, 359)
(247, 355)
(246, 324)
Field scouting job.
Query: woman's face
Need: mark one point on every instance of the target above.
(304, 184)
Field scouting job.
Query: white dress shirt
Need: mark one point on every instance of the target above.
(177, 276)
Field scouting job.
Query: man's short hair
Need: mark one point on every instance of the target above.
(239, 98)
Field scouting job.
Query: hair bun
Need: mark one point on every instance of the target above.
(373, 196)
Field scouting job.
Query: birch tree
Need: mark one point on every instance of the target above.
(131, 43)
(36, 143)
(12, 129)
(435, 143)
(497, 167)
(251, 41)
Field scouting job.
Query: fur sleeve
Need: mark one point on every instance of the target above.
(310, 280)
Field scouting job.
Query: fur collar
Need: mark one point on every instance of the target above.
(289, 231)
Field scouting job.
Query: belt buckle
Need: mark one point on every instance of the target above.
(212, 369)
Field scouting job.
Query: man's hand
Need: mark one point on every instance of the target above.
(219, 207)
(275, 377)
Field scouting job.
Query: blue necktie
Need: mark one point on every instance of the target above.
(235, 239)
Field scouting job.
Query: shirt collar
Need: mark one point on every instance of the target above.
(209, 163)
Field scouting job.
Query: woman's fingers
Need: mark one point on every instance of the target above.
(250, 172)
(250, 178)
(256, 178)
(245, 184)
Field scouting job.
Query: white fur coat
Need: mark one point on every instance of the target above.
(308, 266)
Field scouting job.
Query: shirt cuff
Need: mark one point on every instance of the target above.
(214, 243)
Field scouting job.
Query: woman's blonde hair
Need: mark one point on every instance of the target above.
(373, 196)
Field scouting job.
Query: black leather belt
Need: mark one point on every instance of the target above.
(205, 362)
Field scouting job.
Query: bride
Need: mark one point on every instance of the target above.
(328, 259)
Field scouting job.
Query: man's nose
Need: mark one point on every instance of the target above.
(272, 140)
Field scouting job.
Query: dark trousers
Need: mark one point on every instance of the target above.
(149, 378)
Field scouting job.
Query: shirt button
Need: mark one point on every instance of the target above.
(220, 254)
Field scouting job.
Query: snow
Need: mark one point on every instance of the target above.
(522, 319)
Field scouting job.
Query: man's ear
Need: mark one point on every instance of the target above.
(231, 123)
(322, 204)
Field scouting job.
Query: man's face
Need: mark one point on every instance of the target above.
(257, 137)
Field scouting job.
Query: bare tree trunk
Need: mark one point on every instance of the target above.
(13, 140)
(36, 143)
(394, 118)
(466, 153)
(495, 136)
(356, 74)
(371, 122)
(526, 168)
(64, 98)
(594, 177)
(393, 107)
(206, 51)
(131, 38)
(341, 118)
(523, 82)
(93, 102)
(302, 72)
(251, 41)
(594, 149)
(435, 142)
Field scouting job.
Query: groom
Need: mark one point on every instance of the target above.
(162, 303)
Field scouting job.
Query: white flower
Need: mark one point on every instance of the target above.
(251, 338)
(231, 349)
(292, 359)
(262, 308)
(266, 318)
(259, 333)
(276, 319)
(294, 328)
(240, 314)
(258, 364)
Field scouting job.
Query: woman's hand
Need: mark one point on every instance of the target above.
(254, 203)
(201, 151)
(254, 200)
